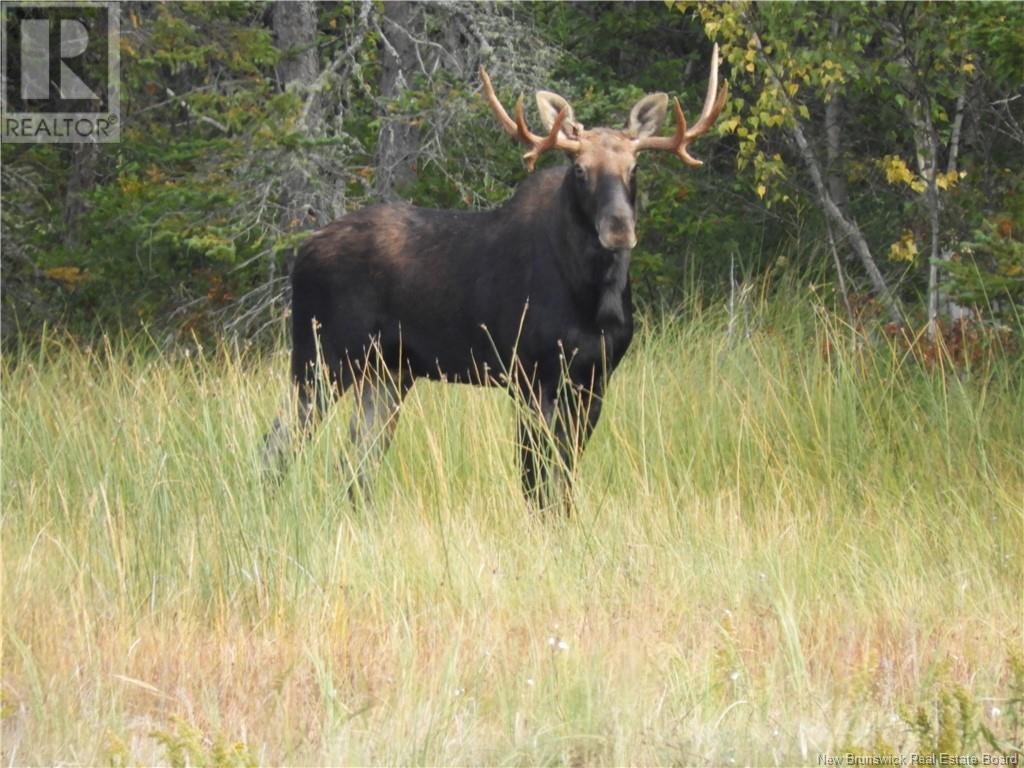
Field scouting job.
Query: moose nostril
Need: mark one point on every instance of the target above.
(619, 225)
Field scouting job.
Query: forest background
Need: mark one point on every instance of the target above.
(871, 151)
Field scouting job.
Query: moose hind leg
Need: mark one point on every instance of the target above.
(372, 426)
(304, 408)
(276, 446)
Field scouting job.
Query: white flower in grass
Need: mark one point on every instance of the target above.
(734, 675)
(995, 711)
(557, 644)
(529, 681)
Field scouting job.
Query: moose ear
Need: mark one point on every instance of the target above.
(647, 116)
(549, 105)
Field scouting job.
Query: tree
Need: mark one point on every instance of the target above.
(866, 83)
(890, 131)
(780, 82)
(398, 142)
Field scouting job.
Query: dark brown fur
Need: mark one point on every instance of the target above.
(516, 296)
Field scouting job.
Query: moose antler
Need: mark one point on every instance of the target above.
(517, 128)
(713, 103)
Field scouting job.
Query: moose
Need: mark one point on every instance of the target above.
(533, 296)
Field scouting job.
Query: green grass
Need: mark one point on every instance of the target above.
(774, 555)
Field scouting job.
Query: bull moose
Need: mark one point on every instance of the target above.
(533, 296)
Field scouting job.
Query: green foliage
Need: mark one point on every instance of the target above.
(181, 217)
(989, 269)
(950, 721)
(115, 752)
(884, 64)
(187, 746)
(190, 216)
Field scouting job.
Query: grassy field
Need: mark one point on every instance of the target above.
(775, 556)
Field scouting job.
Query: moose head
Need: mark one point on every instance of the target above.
(604, 159)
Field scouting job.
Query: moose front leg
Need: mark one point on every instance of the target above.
(534, 436)
(577, 410)
(553, 430)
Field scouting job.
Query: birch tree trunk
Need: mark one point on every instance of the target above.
(847, 225)
(833, 137)
(956, 312)
(926, 145)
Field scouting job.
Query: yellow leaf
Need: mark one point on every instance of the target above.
(897, 172)
(968, 68)
(70, 275)
(761, 189)
(728, 126)
(904, 249)
(947, 180)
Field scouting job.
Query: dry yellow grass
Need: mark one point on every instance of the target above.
(771, 555)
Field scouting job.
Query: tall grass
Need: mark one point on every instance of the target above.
(773, 551)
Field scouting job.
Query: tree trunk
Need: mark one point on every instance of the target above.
(835, 177)
(833, 133)
(847, 225)
(956, 311)
(932, 199)
(398, 141)
(295, 33)
(833, 137)
(926, 150)
(926, 143)
(81, 178)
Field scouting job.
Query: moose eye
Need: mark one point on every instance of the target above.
(580, 171)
